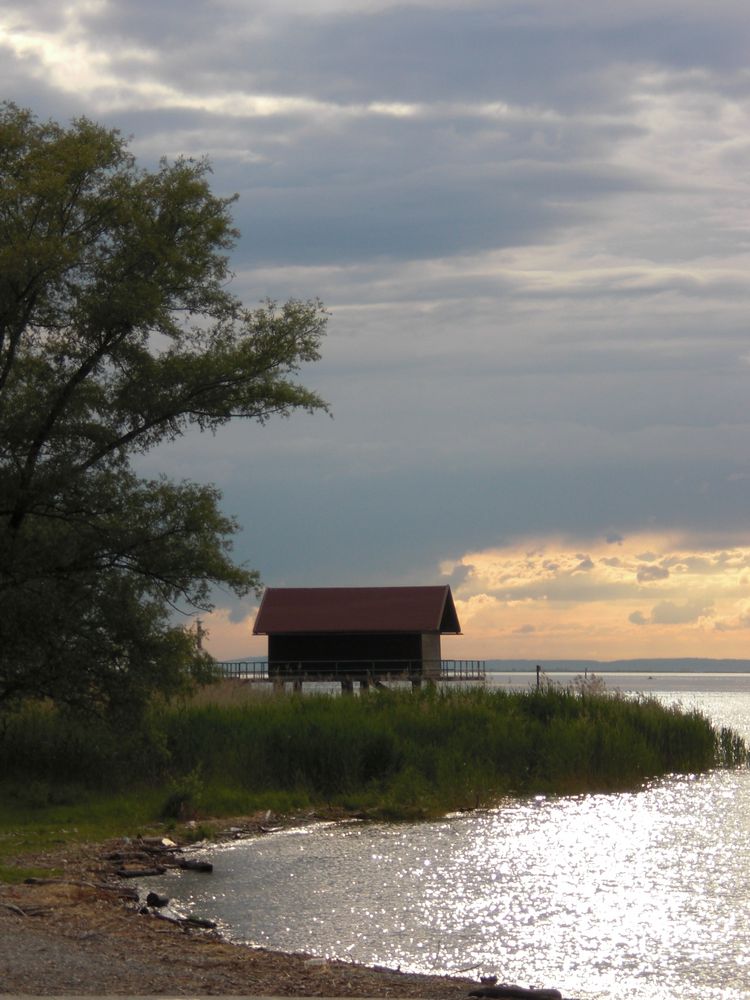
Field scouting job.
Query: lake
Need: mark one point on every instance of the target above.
(643, 895)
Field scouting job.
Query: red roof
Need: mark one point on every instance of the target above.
(286, 610)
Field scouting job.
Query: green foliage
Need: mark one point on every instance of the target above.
(185, 797)
(94, 815)
(730, 748)
(117, 333)
(16, 874)
(393, 754)
(44, 747)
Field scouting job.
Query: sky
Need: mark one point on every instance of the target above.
(530, 222)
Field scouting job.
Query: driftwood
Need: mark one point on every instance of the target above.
(200, 922)
(158, 847)
(154, 899)
(131, 857)
(158, 843)
(140, 872)
(512, 992)
(144, 850)
(182, 921)
(196, 866)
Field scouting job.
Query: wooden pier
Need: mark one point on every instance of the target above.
(346, 672)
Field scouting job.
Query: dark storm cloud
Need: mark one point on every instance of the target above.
(369, 188)
(417, 53)
(310, 519)
(175, 26)
(319, 187)
(334, 224)
(373, 192)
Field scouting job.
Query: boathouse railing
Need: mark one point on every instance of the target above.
(338, 670)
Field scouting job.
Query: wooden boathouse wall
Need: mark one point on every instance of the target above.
(356, 633)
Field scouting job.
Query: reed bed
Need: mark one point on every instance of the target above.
(395, 754)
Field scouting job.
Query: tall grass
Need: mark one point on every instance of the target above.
(392, 753)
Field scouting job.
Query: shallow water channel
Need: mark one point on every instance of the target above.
(639, 895)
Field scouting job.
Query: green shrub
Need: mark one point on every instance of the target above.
(396, 752)
(185, 797)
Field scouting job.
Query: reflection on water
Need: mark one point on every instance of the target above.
(641, 895)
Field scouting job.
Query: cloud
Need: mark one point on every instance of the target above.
(229, 637)
(531, 589)
(736, 619)
(669, 613)
(524, 218)
(455, 574)
(647, 574)
(733, 626)
(585, 565)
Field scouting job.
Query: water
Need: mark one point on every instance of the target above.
(643, 894)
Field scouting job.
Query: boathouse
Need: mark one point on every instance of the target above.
(355, 633)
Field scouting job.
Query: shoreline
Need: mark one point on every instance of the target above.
(81, 933)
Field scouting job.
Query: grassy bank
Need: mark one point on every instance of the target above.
(392, 754)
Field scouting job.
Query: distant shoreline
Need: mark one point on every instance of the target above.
(657, 665)
(687, 665)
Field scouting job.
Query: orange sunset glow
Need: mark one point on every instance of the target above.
(645, 595)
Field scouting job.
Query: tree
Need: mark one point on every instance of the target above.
(117, 333)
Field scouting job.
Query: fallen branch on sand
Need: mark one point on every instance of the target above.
(513, 992)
